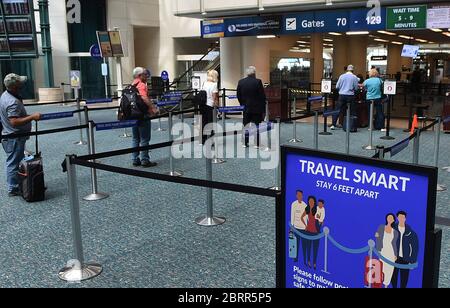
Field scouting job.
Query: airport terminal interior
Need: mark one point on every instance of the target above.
(325, 161)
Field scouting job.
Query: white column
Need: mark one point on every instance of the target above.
(231, 69)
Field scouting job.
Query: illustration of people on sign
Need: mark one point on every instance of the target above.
(297, 210)
(408, 250)
(386, 238)
(312, 229)
(306, 219)
(398, 243)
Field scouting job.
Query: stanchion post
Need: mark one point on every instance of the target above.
(370, 147)
(95, 195)
(380, 152)
(172, 171)
(416, 147)
(267, 118)
(216, 159)
(294, 123)
(209, 220)
(388, 123)
(326, 232)
(437, 144)
(325, 123)
(77, 97)
(316, 130)
(347, 135)
(224, 118)
(77, 270)
(278, 168)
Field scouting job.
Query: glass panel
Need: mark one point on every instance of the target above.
(290, 72)
(92, 81)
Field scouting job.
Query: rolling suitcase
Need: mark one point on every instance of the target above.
(31, 175)
(353, 124)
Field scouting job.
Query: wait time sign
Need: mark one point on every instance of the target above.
(407, 17)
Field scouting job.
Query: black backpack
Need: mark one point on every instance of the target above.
(132, 106)
(200, 99)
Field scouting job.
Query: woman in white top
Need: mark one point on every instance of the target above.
(212, 98)
(387, 238)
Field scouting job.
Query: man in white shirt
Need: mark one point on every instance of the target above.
(297, 210)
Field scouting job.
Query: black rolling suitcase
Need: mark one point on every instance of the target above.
(31, 175)
(353, 124)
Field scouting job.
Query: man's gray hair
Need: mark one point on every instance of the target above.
(251, 70)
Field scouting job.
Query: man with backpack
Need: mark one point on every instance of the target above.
(144, 109)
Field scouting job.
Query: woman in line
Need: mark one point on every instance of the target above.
(387, 238)
(373, 87)
(309, 219)
(212, 99)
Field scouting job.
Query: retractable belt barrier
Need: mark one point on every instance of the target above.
(99, 101)
(232, 109)
(167, 103)
(57, 115)
(315, 98)
(115, 125)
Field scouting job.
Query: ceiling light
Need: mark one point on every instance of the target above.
(328, 40)
(381, 40)
(397, 43)
(422, 41)
(335, 33)
(266, 36)
(436, 30)
(406, 37)
(386, 32)
(357, 33)
(447, 34)
(328, 2)
(302, 42)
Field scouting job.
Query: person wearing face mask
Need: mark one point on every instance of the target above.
(14, 120)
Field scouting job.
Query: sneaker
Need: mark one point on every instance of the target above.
(148, 164)
(245, 146)
(136, 163)
(332, 127)
(13, 194)
(384, 130)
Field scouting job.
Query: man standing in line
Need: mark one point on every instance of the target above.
(408, 246)
(297, 210)
(14, 120)
(348, 85)
(250, 93)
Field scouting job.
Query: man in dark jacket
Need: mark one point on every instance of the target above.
(408, 250)
(250, 93)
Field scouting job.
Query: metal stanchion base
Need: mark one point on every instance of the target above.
(387, 138)
(218, 161)
(266, 149)
(125, 135)
(369, 148)
(446, 168)
(96, 197)
(175, 173)
(325, 134)
(87, 271)
(295, 141)
(159, 129)
(441, 188)
(81, 142)
(210, 221)
(275, 188)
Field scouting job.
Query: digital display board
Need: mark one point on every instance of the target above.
(353, 222)
(17, 30)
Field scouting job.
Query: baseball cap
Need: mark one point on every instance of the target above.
(12, 79)
(350, 68)
(138, 71)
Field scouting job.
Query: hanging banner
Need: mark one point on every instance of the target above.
(213, 28)
(253, 26)
(407, 17)
(354, 222)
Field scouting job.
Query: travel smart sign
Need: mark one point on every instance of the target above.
(407, 17)
(353, 222)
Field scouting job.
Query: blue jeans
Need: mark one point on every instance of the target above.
(344, 102)
(141, 138)
(14, 149)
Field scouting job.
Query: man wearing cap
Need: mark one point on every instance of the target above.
(347, 85)
(15, 120)
(142, 133)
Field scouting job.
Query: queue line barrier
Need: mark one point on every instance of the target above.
(79, 270)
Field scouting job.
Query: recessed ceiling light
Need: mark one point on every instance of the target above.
(335, 33)
(266, 36)
(329, 2)
(381, 40)
(328, 40)
(357, 33)
(386, 32)
(406, 37)
(422, 41)
(397, 43)
(302, 42)
(446, 34)
(436, 30)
